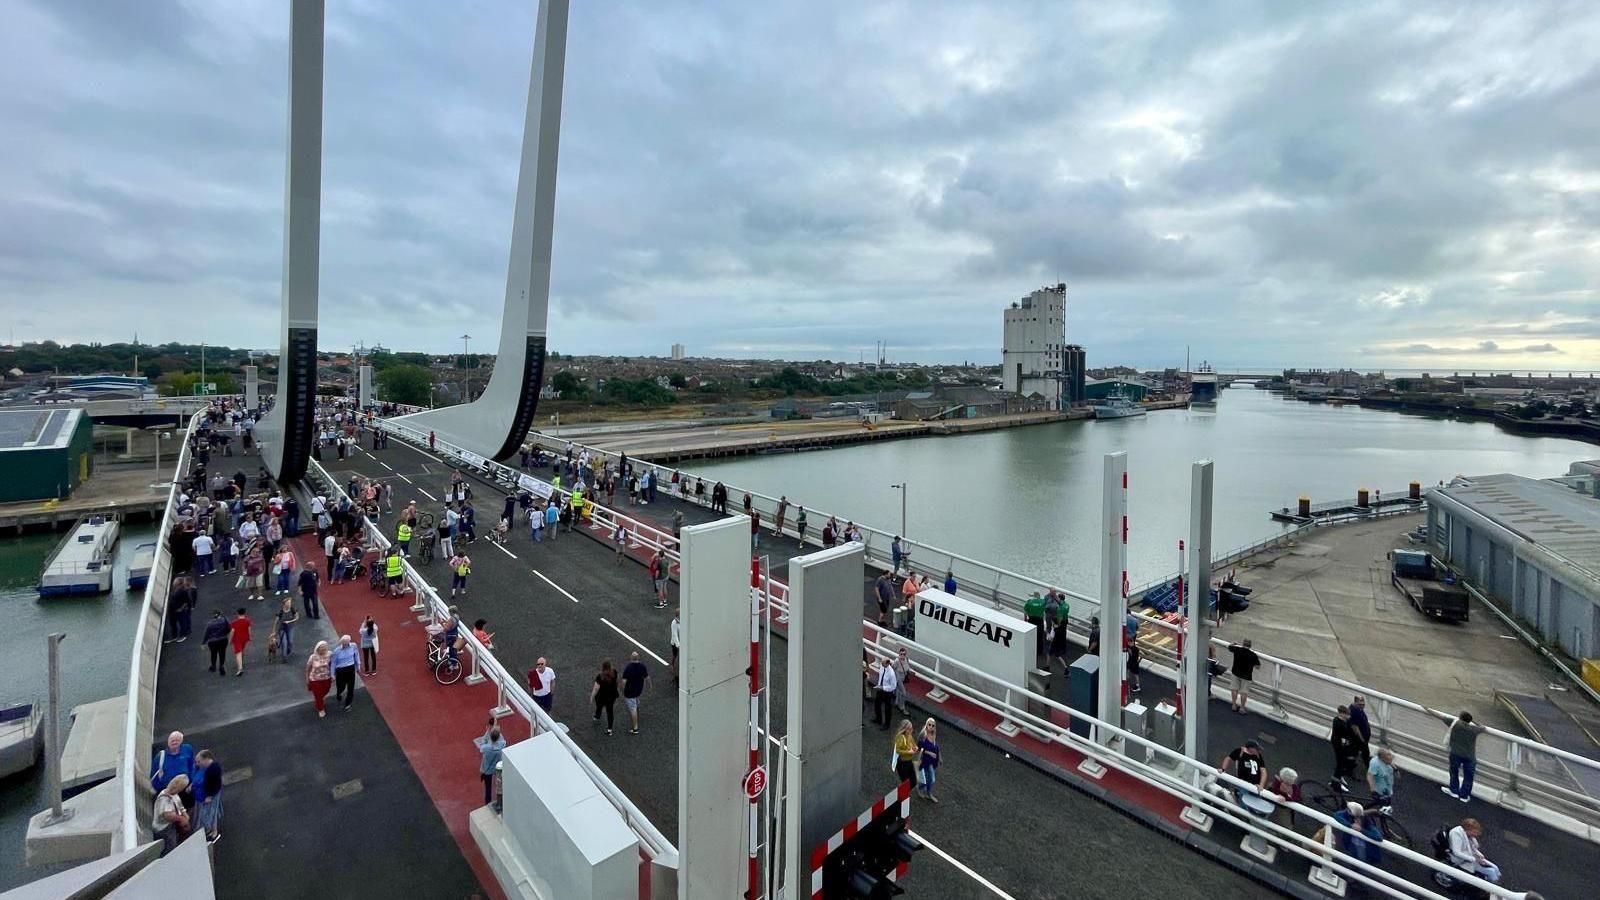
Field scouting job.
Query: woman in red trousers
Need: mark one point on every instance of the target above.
(319, 676)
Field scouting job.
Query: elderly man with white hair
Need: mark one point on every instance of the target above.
(174, 759)
(345, 657)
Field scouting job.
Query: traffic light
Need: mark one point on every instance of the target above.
(869, 861)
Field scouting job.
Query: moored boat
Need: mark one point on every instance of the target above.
(81, 563)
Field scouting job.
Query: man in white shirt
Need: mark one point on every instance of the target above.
(676, 634)
(447, 536)
(540, 679)
(883, 699)
(330, 549)
(203, 547)
(249, 530)
(318, 504)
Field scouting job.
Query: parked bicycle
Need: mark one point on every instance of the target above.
(1331, 798)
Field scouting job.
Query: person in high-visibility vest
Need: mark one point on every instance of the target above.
(394, 569)
(577, 505)
(402, 537)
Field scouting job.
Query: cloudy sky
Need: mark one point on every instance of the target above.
(1396, 184)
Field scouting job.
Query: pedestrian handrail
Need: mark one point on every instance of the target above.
(512, 694)
(1163, 768)
(1307, 698)
(139, 731)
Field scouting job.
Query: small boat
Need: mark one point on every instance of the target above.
(1203, 387)
(82, 562)
(21, 739)
(1116, 408)
(144, 558)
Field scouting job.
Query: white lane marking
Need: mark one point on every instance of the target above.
(502, 549)
(961, 866)
(384, 464)
(402, 478)
(428, 495)
(554, 585)
(632, 641)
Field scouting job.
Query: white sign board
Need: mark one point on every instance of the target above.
(980, 636)
(534, 486)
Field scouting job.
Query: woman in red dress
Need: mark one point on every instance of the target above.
(239, 636)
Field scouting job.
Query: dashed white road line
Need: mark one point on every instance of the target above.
(428, 495)
(384, 464)
(558, 587)
(502, 549)
(402, 478)
(962, 867)
(632, 641)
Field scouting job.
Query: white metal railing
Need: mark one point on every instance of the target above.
(139, 732)
(1194, 782)
(512, 695)
(1521, 768)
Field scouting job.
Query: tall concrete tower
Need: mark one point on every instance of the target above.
(1034, 343)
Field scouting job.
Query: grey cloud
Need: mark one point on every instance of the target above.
(1276, 184)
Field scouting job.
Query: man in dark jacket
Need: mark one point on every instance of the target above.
(1346, 742)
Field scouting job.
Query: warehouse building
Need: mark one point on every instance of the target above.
(1532, 544)
(44, 453)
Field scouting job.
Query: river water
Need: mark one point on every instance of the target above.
(1029, 499)
(94, 663)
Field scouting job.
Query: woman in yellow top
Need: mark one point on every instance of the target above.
(905, 752)
(577, 504)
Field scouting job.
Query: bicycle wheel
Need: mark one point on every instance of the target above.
(1321, 796)
(1394, 832)
(448, 671)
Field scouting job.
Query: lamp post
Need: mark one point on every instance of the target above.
(902, 488)
(466, 379)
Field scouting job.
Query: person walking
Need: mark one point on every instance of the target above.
(658, 578)
(255, 566)
(635, 678)
(905, 752)
(1363, 727)
(285, 619)
(675, 636)
(239, 638)
(800, 525)
(1244, 666)
(755, 530)
(1462, 742)
(552, 517)
(491, 746)
(216, 641)
(883, 588)
(169, 821)
(902, 674)
(1343, 740)
(536, 523)
(1381, 775)
(319, 677)
(369, 647)
(174, 759)
(310, 579)
(207, 783)
(447, 534)
(541, 681)
(460, 568)
(604, 695)
(1058, 645)
(928, 758)
(284, 564)
(884, 688)
(330, 548)
(344, 670)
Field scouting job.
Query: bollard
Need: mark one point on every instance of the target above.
(1361, 498)
(1304, 509)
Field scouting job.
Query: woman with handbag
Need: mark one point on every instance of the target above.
(169, 821)
(319, 676)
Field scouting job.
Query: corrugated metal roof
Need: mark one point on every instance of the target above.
(1556, 517)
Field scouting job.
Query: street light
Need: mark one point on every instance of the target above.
(902, 488)
(466, 379)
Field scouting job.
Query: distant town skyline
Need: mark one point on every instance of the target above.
(1407, 186)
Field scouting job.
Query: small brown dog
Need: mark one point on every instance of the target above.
(272, 648)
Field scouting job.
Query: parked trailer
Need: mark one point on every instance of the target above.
(1433, 591)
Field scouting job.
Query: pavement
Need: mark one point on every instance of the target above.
(1325, 602)
(576, 602)
(312, 807)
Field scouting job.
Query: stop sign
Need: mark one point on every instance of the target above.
(755, 781)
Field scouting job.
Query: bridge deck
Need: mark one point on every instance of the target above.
(576, 602)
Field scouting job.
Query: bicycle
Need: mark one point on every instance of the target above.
(1331, 798)
(445, 664)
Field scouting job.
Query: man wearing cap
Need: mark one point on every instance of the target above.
(1248, 765)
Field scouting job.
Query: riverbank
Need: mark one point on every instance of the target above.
(1567, 427)
(132, 492)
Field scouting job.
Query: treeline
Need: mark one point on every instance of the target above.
(153, 360)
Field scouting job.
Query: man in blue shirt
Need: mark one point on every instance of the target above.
(1380, 777)
(490, 747)
(176, 758)
(344, 670)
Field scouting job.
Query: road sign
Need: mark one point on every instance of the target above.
(755, 781)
